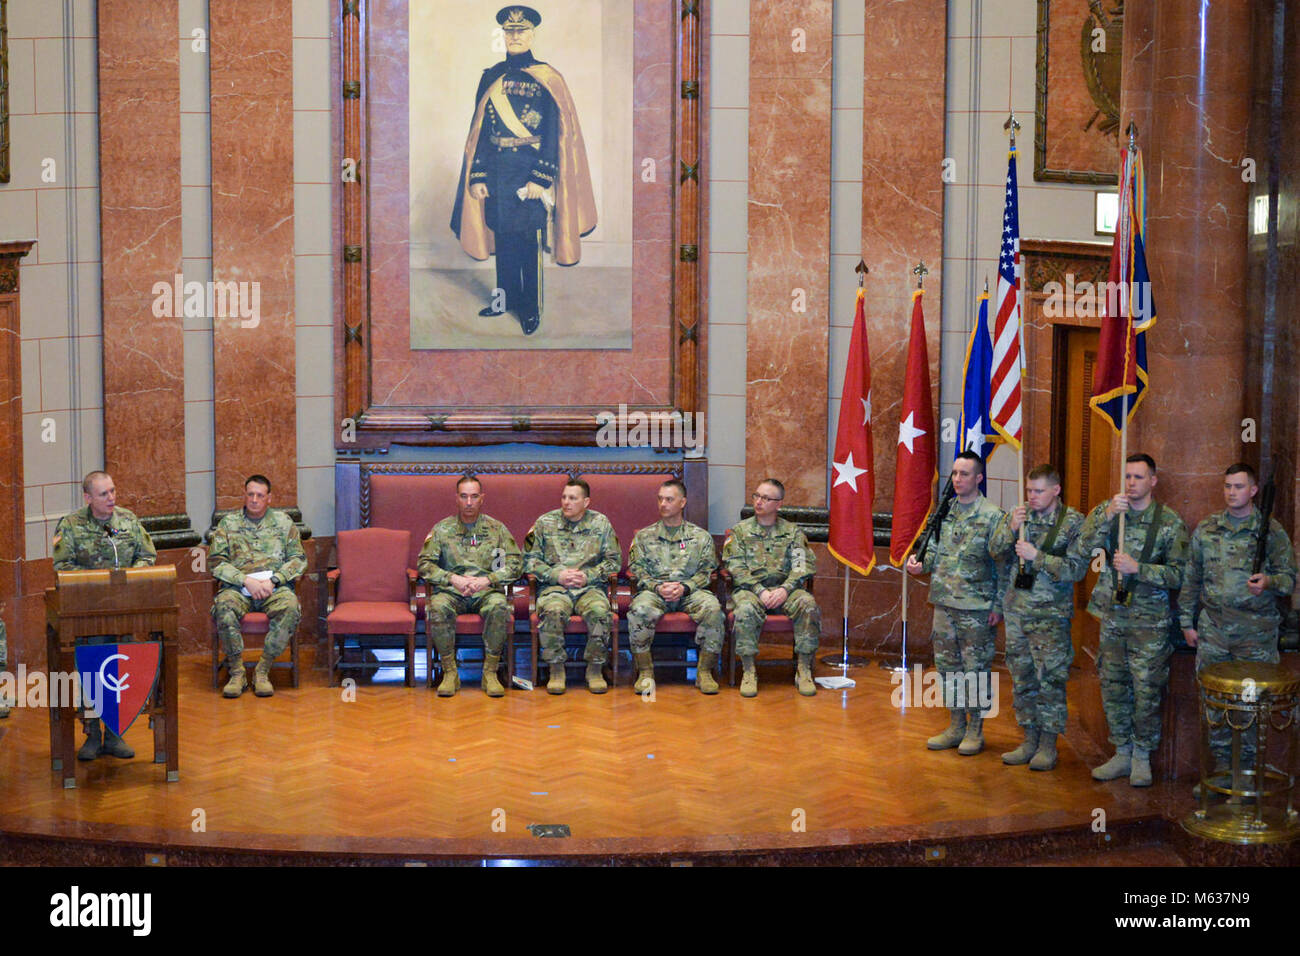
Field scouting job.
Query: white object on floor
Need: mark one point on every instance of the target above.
(836, 682)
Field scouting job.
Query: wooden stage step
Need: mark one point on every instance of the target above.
(398, 774)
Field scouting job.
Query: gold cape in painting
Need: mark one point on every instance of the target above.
(575, 202)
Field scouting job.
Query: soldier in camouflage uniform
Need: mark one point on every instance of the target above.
(1133, 658)
(968, 580)
(1226, 612)
(673, 562)
(99, 536)
(467, 559)
(572, 551)
(257, 556)
(769, 562)
(1039, 650)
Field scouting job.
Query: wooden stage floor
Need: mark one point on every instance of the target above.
(401, 775)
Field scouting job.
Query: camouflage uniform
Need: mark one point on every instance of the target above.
(83, 542)
(758, 559)
(1232, 624)
(686, 554)
(483, 549)
(1133, 657)
(1039, 650)
(590, 545)
(968, 579)
(241, 546)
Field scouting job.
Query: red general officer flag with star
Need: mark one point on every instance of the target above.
(916, 473)
(853, 490)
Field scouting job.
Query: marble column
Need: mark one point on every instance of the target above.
(13, 528)
(789, 246)
(1188, 87)
(1273, 255)
(140, 235)
(254, 376)
(904, 79)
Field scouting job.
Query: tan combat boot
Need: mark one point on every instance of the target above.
(803, 678)
(1045, 757)
(704, 678)
(450, 676)
(555, 683)
(1140, 772)
(90, 749)
(645, 673)
(235, 686)
(262, 678)
(1025, 752)
(1117, 766)
(491, 683)
(953, 735)
(115, 746)
(4, 701)
(596, 678)
(973, 742)
(749, 680)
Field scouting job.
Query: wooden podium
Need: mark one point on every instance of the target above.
(132, 604)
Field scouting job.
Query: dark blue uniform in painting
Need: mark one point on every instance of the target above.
(506, 162)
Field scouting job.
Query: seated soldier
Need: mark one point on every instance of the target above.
(467, 559)
(673, 561)
(769, 561)
(571, 551)
(257, 556)
(101, 535)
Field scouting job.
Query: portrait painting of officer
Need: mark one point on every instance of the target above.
(531, 188)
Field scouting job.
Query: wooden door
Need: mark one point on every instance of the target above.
(1082, 443)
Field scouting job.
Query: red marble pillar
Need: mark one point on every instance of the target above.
(140, 230)
(904, 78)
(1189, 90)
(1274, 259)
(252, 243)
(789, 246)
(13, 526)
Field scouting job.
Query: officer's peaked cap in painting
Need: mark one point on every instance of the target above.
(518, 18)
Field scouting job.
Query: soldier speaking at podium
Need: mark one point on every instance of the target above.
(524, 157)
(101, 535)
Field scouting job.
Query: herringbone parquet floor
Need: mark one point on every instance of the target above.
(309, 769)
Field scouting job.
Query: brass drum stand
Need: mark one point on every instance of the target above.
(1251, 800)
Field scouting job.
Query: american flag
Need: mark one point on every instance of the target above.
(1008, 364)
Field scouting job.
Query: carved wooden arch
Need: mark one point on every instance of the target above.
(366, 423)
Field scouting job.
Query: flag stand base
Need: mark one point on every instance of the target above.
(845, 660)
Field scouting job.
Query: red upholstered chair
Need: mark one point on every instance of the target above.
(420, 500)
(371, 593)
